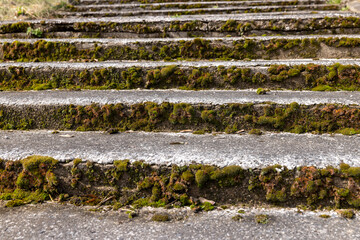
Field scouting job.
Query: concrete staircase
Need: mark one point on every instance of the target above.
(208, 104)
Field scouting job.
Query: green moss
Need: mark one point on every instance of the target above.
(324, 216)
(353, 172)
(185, 200)
(178, 187)
(37, 172)
(348, 131)
(344, 166)
(207, 206)
(323, 88)
(146, 183)
(18, 78)
(232, 171)
(20, 197)
(76, 162)
(131, 214)
(343, 192)
(33, 163)
(237, 218)
(228, 176)
(155, 193)
(199, 132)
(160, 218)
(160, 185)
(182, 114)
(208, 116)
(193, 49)
(298, 129)
(187, 176)
(354, 203)
(14, 27)
(276, 196)
(167, 71)
(122, 165)
(15, 203)
(201, 178)
(255, 132)
(262, 219)
(346, 213)
(261, 91)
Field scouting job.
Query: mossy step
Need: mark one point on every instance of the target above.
(175, 49)
(191, 5)
(318, 76)
(149, 116)
(198, 11)
(194, 25)
(37, 178)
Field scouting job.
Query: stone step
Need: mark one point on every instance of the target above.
(318, 75)
(276, 47)
(197, 11)
(191, 5)
(245, 150)
(114, 2)
(290, 23)
(214, 97)
(71, 221)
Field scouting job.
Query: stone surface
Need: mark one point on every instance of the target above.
(249, 151)
(55, 221)
(87, 97)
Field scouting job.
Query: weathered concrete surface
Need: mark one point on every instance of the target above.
(206, 17)
(354, 6)
(55, 221)
(123, 64)
(87, 97)
(135, 2)
(217, 10)
(249, 151)
(84, 6)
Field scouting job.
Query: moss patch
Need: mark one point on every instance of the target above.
(262, 219)
(160, 218)
(311, 77)
(229, 118)
(180, 50)
(37, 179)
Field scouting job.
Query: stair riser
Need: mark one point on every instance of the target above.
(321, 118)
(193, 49)
(190, 28)
(339, 77)
(229, 185)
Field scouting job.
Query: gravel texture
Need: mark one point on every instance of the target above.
(246, 150)
(55, 221)
(205, 17)
(87, 97)
(122, 64)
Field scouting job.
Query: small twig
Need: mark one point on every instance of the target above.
(104, 201)
(51, 198)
